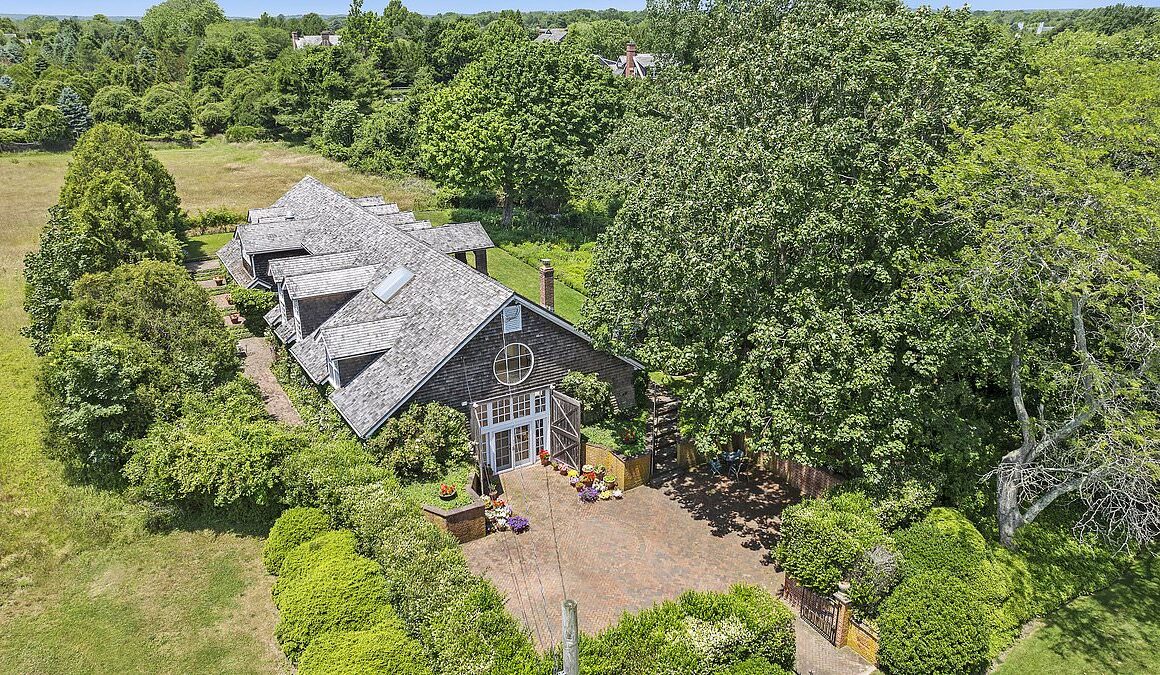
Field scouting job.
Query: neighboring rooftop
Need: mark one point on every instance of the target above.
(326, 39)
(553, 35)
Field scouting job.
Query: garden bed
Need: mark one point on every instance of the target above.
(462, 516)
(630, 472)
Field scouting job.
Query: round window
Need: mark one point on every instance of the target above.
(513, 364)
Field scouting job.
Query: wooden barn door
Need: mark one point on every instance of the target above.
(565, 429)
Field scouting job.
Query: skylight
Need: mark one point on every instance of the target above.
(390, 285)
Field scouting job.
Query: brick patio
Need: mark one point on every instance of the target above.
(695, 532)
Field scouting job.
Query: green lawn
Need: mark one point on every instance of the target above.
(205, 246)
(1116, 630)
(83, 586)
(525, 280)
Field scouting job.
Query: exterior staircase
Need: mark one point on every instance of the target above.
(663, 433)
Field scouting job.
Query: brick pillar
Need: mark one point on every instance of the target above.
(630, 59)
(844, 619)
(547, 285)
(481, 260)
(461, 256)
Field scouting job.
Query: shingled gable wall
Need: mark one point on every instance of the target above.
(468, 376)
(316, 309)
(262, 262)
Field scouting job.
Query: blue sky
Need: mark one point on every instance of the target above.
(256, 7)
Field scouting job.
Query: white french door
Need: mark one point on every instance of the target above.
(515, 428)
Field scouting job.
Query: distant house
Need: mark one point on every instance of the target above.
(631, 64)
(1040, 29)
(386, 310)
(326, 39)
(553, 35)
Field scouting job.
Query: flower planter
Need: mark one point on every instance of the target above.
(625, 473)
(449, 496)
(219, 281)
(235, 318)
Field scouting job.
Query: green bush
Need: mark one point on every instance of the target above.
(10, 136)
(317, 474)
(383, 649)
(294, 527)
(946, 542)
(215, 219)
(932, 625)
(594, 394)
(822, 539)
(698, 633)
(214, 118)
(223, 450)
(325, 586)
(253, 303)
(898, 500)
(240, 133)
(46, 125)
(165, 111)
(424, 442)
(756, 666)
(116, 104)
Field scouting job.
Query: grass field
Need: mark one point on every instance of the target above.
(83, 586)
(1114, 631)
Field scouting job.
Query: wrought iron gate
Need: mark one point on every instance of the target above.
(565, 428)
(819, 611)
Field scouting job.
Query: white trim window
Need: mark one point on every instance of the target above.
(515, 428)
(513, 363)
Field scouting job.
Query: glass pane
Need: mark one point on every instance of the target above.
(502, 442)
(540, 435)
(523, 450)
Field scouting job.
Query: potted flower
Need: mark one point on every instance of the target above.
(446, 492)
(605, 496)
(544, 459)
(618, 494)
(235, 317)
(573, 481)
(573, 473)
(600, 472)
(588, 468)
(588, 478)
(501, 523)
(555, 465)
(219, 280)
(610, 480)
(518, 524)
(589, 495)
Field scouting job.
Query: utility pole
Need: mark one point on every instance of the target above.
(570, 635)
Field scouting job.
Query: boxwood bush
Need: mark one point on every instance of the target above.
(325, 586)
(822, 539)
(946, 542)
(382, 649)
(294, 527)
(932, 625)
(253, 303)
(756, 666)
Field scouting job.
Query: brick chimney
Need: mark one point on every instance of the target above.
(630, 59)
(547, 285)
(325, 37)
(294, 37)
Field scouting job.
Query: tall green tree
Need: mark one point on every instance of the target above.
(515, 122)
(75, 112)
(768, 229)
(1058, 283)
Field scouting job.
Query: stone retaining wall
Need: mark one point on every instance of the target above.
(466, 523)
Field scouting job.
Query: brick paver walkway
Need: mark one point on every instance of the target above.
(694, 532)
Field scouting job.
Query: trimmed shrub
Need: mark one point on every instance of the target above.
(10, 136)
(424, 442)
(325, 586)
(116, 104)
(294, 527)
(930, 625)
(594, 394)
(898, 500)
(943, 541)
(822, 539)
(383, 649)
(214, 118)
(241, 133)
(165, 111)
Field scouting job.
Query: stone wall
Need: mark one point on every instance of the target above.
(808, 480)
(863, 641)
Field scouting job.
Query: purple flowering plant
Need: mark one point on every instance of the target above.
(519, 524)
(589, 494)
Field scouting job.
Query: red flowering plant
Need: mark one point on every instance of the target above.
(446, 490)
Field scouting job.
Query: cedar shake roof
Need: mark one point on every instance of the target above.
(454, 238)
(362, 338)
(332, 281)
(354, 247)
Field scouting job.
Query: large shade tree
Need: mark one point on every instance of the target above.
(1058, 282)
(766, 230)
(515, 122)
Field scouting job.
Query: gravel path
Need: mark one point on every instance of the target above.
(259, 357)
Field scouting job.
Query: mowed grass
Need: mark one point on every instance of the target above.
(206, 245)
(83, 586)
(1116, 630)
